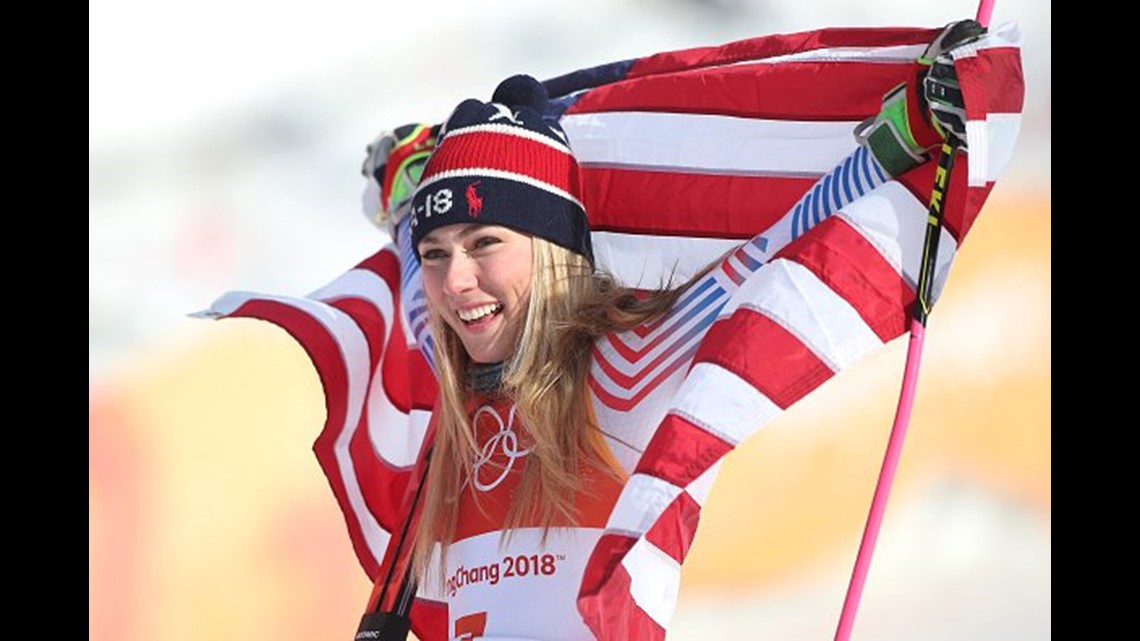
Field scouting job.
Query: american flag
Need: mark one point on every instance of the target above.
(742, 152)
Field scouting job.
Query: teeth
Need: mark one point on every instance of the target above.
(468, 315)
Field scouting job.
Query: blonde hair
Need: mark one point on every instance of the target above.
(571, 305)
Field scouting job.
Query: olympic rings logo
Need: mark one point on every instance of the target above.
(503, 444)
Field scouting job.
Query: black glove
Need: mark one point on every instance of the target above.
(941, 96)
(888, 134)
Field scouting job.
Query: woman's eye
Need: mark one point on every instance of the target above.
(485, 241)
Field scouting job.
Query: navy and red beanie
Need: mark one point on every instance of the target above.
(503, 163)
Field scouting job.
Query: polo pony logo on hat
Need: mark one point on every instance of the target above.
(474, 200)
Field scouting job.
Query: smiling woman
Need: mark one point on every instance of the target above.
(515, 305)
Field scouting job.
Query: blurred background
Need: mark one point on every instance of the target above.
(226, 139)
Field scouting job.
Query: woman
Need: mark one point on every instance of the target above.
(522, 477)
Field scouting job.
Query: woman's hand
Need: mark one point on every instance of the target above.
(897, 141)
(941, 96)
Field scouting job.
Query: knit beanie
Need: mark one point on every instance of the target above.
(503, 163)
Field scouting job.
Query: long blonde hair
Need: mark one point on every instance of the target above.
(571, 305)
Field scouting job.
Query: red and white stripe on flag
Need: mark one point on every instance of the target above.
(378, 392)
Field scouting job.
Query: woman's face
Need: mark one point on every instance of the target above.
(477, 278)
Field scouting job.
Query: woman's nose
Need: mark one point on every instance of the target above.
(460, 276)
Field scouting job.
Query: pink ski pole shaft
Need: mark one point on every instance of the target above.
(906, 398)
